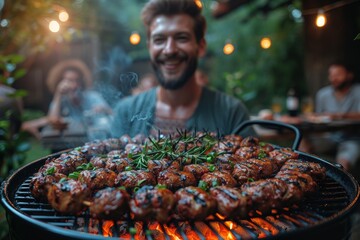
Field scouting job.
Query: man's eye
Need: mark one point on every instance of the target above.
(158, 40)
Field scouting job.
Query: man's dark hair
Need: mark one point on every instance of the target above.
(171, 7)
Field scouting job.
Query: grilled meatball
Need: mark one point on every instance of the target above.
(98, 162)
(135, 178)
(254, 169)
(97, 178)
(230, 202)
(249, 141)
(194, 203)
(156, 166)
(218, 178)
(150, 202)
(173, 179)
(65, 163)
(40, 183)
(280, 156)
(299, 184)
(315, 170)
(197, 169)
(265, 194)
(117, 164)
(110, 203)
(68, 196)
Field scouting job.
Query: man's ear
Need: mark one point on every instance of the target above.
(202, 48)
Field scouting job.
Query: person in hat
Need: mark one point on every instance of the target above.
(176, 40)
(73, 100)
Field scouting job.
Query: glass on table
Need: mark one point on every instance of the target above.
(277, 106)
(307, 106)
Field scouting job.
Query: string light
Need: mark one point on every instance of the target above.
(265, 43)
(54, 26)
(63, 16)
(135, 38)
(228, 48)
(320, 19)
(198, 3)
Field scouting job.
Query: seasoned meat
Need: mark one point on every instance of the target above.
(64, 164)
(218, 178)
(315, 170)
(194, 203)
(132, 148)
(68, 196)
(299, 184)
(280, 156)
(156, 166)
(40, 183)
(117, 164)
(254, 169)
(151, 202)
(98, 162)
(230, 201)
(265, 194)
(135, 178)
(249, 141)
(97, 178)
(197, 169)
(174, 179)
(110, 203)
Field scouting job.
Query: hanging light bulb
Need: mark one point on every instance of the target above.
(198, 3)
(134, 38)
(54, 26)
(265, 43)
(228, 48)
(320, 19)
(63, 16)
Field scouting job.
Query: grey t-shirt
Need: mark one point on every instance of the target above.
(326, 101)
(216, 112)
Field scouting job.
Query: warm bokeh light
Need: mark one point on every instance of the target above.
(228, 48)
(320, 19)
(199, 3)
(135, 38)
(54, 26)
(265, 43)
(63, 16)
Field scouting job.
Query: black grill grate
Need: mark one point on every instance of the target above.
(328, 201)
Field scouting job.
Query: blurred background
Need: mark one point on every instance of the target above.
(257, 51)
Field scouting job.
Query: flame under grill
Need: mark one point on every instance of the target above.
(328, 201)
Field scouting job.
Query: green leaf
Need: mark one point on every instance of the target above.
(357, 37)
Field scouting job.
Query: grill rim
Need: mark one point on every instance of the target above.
(10, 185)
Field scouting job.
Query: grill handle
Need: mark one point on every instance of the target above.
(278, 125)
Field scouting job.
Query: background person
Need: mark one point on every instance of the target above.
(340, 100)
(175, 31)
(73, 100)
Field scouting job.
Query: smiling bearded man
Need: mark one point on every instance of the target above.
(175, 39)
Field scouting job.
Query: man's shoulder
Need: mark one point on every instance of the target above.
(222, 98)
(325, 91)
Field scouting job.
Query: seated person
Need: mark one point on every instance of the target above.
(176, 31)
(341, 100)
(72, 101)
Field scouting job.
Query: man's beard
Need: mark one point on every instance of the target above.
(343, 85)
(175, 84)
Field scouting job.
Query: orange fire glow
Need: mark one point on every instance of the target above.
(106, 228)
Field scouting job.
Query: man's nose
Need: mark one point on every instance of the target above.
(170, 46)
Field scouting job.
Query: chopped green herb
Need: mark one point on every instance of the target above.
(128, 168)
(251, 180)
(212, 168)
(62, 180)
(136, 189)
(203, 185)
(74, 175)
(160, 186)
(50, 171)
(215, 183)
(262, 155)
(132, 231)
(140, 182)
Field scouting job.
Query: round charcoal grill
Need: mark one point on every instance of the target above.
(324, 215)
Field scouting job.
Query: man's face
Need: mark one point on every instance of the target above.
(174, 50)
(339, 77)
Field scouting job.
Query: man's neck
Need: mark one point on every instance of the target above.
(180, 103)
(341, 93)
